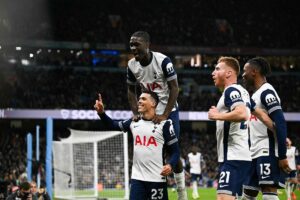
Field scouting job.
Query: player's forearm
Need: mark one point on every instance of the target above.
(108, 122)
(281, 132)
(132, 99)
(239, 114)
(171, 101)
(264, 118)
(175, 155)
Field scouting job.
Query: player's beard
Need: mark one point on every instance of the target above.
(248, 84)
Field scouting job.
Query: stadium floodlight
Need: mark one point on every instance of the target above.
(12, 61)
(25, 62)
(91, 164)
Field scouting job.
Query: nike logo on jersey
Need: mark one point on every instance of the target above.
(221, 186)
(264, 177)
(135, 126)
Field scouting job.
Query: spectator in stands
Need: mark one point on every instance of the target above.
(33, 187)
(206, 28)
(18, 90)
(24, 193)
(42, 193)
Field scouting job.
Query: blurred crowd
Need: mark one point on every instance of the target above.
(192, 23)
(77, 88)
(13, 156)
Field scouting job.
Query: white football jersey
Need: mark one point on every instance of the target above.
(291, 154)
(148, 142)
(232, 137)
(262, 142)
(195, 162)
(153, 77)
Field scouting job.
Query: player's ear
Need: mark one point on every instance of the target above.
(254, 71)
(229, 73)
(153, 103)
(147, 46)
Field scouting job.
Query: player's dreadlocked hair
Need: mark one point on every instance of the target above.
(261, 64)
(142, 34)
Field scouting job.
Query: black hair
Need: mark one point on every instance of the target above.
(261, 64)
(43, 184)
(153, 95)
(25, 186)
(142, 34)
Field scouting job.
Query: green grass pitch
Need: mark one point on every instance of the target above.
(205, 194)
(210, 194)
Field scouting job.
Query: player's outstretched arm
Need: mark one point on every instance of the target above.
(109, 123)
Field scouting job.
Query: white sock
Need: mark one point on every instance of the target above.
(247, 197)
(195, 188)
(270, 196)
(180, 180)
(288, 190)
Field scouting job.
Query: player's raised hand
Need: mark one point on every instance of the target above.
(284, 165)
(213, 113)
(99, 107)
(158, 118)
(167, 170)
